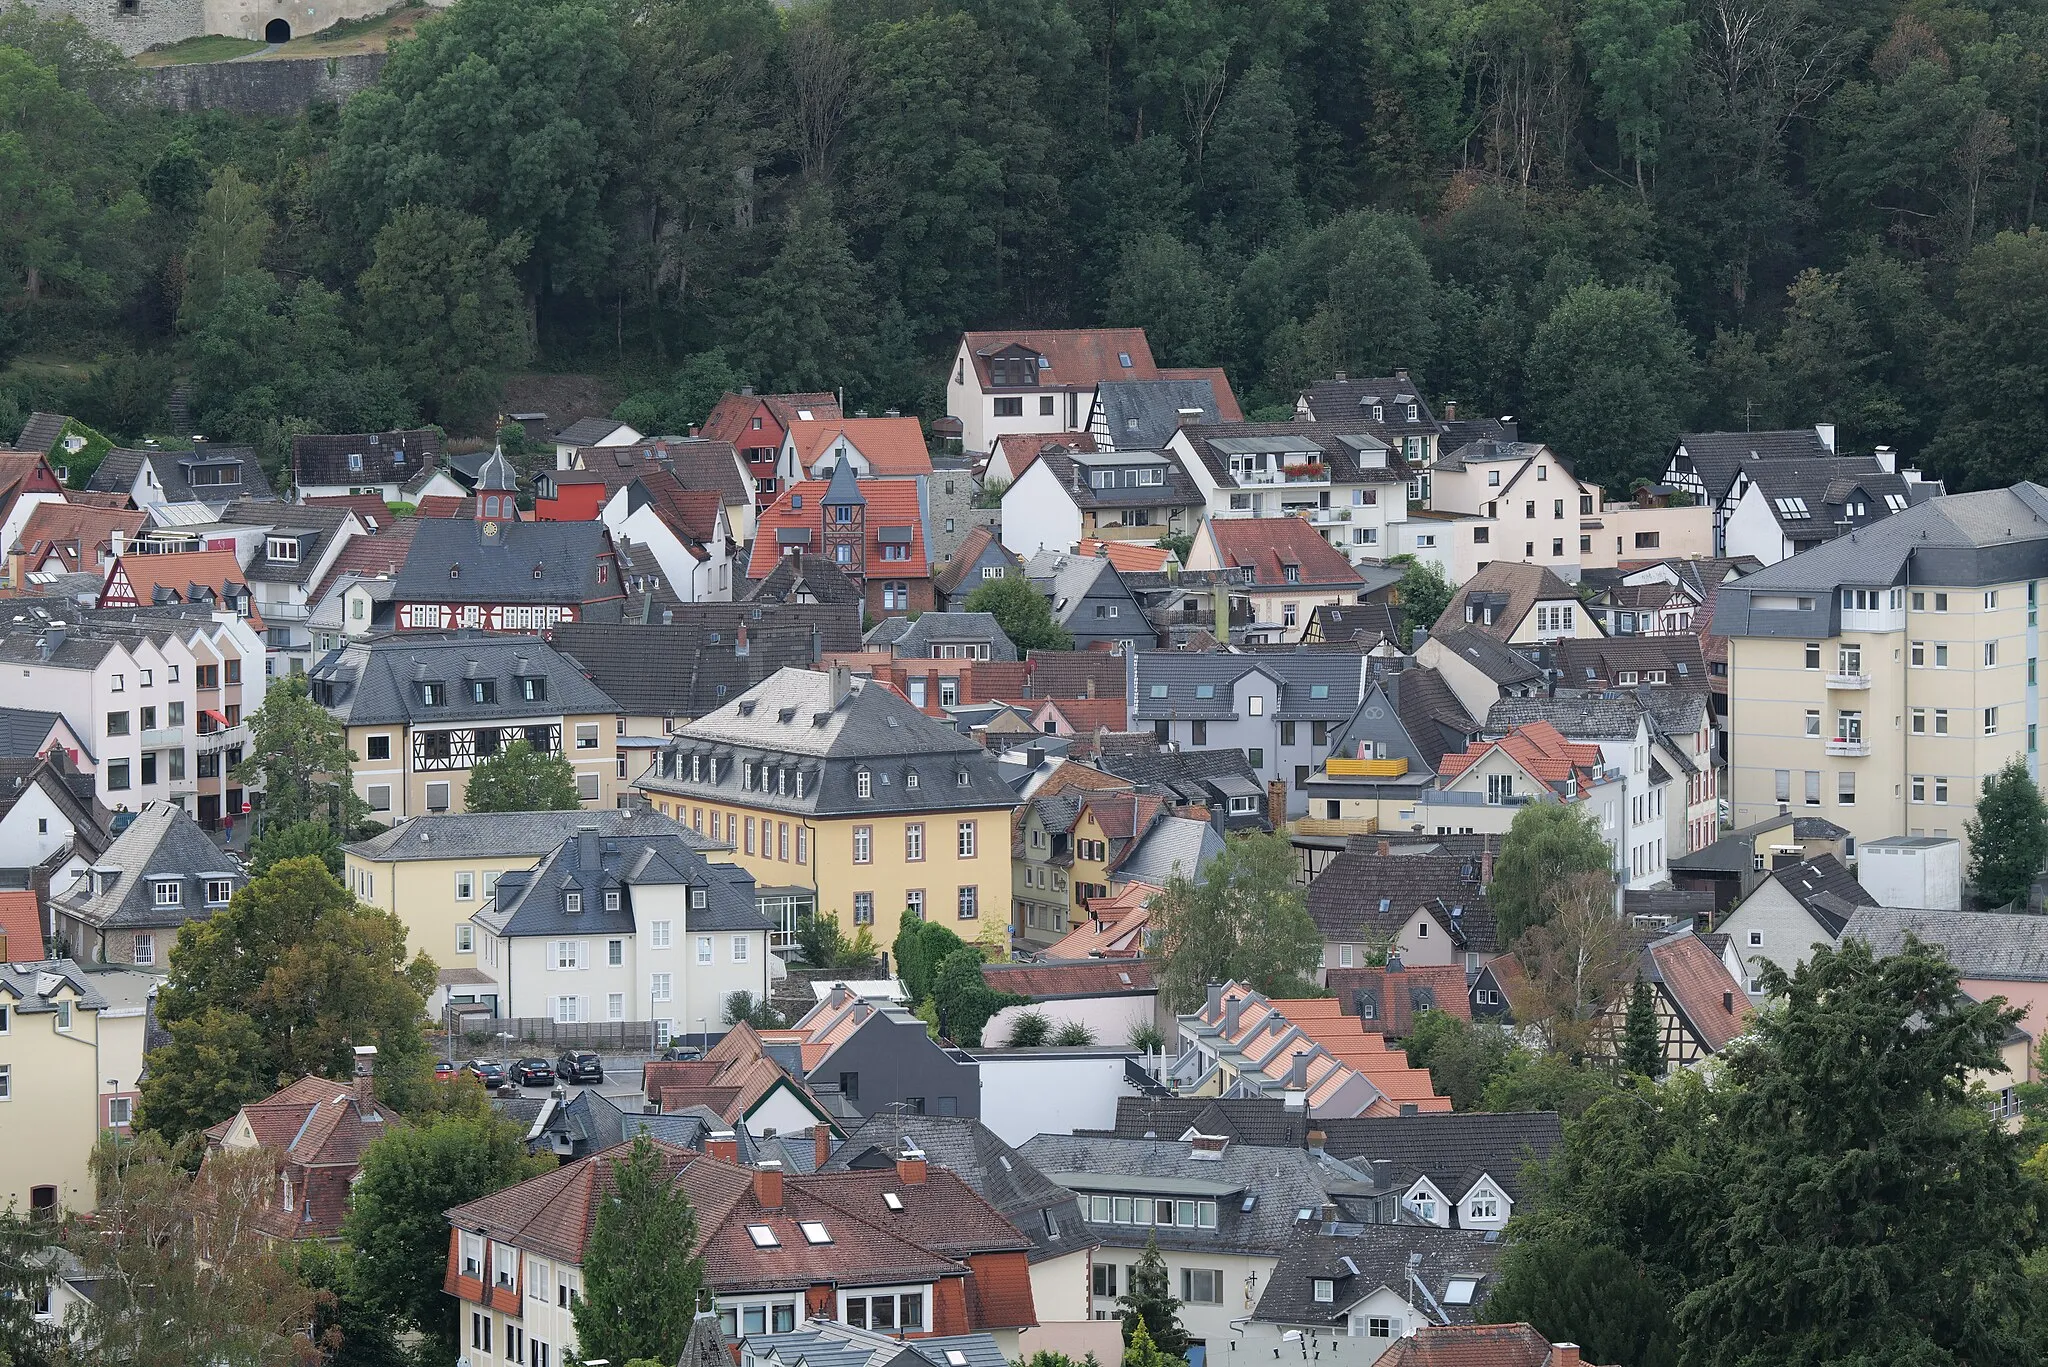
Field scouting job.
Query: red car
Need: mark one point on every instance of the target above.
(444, 1071)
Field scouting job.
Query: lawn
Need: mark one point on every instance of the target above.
(210, 47)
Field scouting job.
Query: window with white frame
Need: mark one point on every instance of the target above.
(465, 938)
(897, 1312)
(703, 949)
(568, 954)
(465, 887)
(661, 986)
(472, 1256)
(659, 932)
(740, 945)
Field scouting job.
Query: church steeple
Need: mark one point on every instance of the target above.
(845, 512)
(497, 490)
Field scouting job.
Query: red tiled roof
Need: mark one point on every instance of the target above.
(1022, 448)
(370, 510)
(1539, 747)
(890, 503)
(1394, 990)
(1075, 674)
(1227, 409)
(731, 419)
(382, 553)
(97, 498)
(1081, 357)
(691, 513)
(1469, 1345)
(74, 532)
(1076, 777)
(178, 572)
(1115, 927)
(1085, 714)
(1268, 544)
(1699, 984)
(1141, 557)
(1078, 978)
(21, 927)
(894, 446)
(1123, 816)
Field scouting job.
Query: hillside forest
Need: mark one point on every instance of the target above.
(1614, 219)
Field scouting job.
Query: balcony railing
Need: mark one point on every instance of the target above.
(1846, 681)
(1837, 745)
(157, 737)
(210, 741)
(1323, 517)
(1309, 474)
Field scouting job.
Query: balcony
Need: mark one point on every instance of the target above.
(210, 741)
(158, 737)
(1849, 681)
(1325, 517)
(1836, 745)
(1291, 474)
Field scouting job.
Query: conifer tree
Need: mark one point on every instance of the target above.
(2008, 836)
(1149, 1309)
(640, 1273)
(1639, 1051)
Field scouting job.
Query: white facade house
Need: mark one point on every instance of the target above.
(1038, 379)
(1529, 506)
(1348, 485)
(590, 432)
(697, 571)
(624, 928)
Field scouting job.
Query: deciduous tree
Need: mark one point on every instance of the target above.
(1573, 966)
(299, 758)
(1610, 382)
(227, 241)
(520, 778)
(1241, 919)
(1022, 612)
(1546, 846)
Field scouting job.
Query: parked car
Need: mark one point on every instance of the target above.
(534, 1072)
(580, 1065)
(445, 1070)
(491, 1075)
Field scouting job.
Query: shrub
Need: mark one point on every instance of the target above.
(1030, 1030)
(1074, 1035)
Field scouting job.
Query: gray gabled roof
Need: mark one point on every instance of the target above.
(507, 835)
(1576, 718)
(40, 432)
(1451, 1148)
(315, 529)
(1174, 845)
(525, 562)
(1377, 1256)
(587, 431)
(1069, 579)
(1145, 413)
(534, 901)
(1489, 655)
(827, 1343)
(1314, 685)
(25, 982)
(1980, 944)
(379, 680)
(117, 471)
(921, 638)
(161, 844)
(685, 668)
(23, 731)
(1826, 889)
(1717, 457)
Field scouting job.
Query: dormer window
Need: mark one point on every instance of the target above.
(572, 901)
(1414, 412)
(863, 783)
(1379, 413)
(284, 548)
(483, 690)
(533, 689)
(355, 465)
(1325, 1291)
(1291, 573)
(611, 899)
(169, 894)
(434, 694)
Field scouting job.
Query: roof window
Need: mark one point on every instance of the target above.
(892, 1200)
(763, 1236)
(1460, 1290)
(1123, 358)
(815, 1232)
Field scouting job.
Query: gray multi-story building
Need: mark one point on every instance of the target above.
(1090, 599)
(1283, 709)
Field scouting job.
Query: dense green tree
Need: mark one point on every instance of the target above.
(812, 320)
(1354, 296)
(1148, 1307)
(963, 998)
(2008, 836)
(1249, 174)
(397, 1228)
(1422, 594)
(641, 1272)
(1463, 1057)
(1642, 1051)
(1029, 1030)
(348, 1329)
(511, 110)
(1611, 1307)
(1243, 918)
(26, 1248)
(744, 1006)
(227, 241)
(520, 778)
(1610, 377)
(1022, 612)
(442, 304)
(299, 759)
(312, 971)
(1547, 1082)
(295, 841)
(1992, 363)
(1141, 1351)
(1164, 286)
(920, 947)
(1636, 51)
(1547, 844)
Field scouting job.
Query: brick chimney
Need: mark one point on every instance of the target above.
(723, 1144)
(1386, 847)
(1563, 1355)
(1316, 1140)
(910, 1167)
(821, 1136)
(1276, 804)
(768, 1184)
(1485, 865)
(364, 1083)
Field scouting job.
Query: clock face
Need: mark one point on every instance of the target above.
(490, 531)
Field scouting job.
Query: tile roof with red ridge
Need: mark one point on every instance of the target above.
(1081, 358)
(891, 503)
(1115, 927)
(178, 572)
(1085, 714)
(370, 510)
(21, 928)
(1473, 1345)
(1020, 449)
(75, 533)
(894, 447)
(1540, 749)
(1269, 545)
(691, 513)
(1700, 986)
(1075, 978)
(380, 553)
(1077, 673)
(1129, 557)
(1393, 992)
(732, 416)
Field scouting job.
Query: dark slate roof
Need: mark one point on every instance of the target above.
(1365, 623)
(1687, 905)
(74, 793)
(532, 901)
(796, 578)
(1343, 400)
(1145, 413)
(1339, 445)
(790, 722)
(1431, 713)
(981, 545)
(1718, 456)
(1994, 946)
(21, 981)
(1376, 1257)
(501, 569)
(1266, 1121)
(1364, 891)
(23, 731)
(1459, 432)
(1597, 660)
(118, 469)
(998, 1173)
(1826, 889)
(1825, 487)
(681, 670)
(1451, 1148)
(1511, 588)
(1735, 852)
(161, 843)
(1489, 655)
(1196, 775)
(486, 835)
(920, 639)
(1339, 675)
(1175, 489)
(397, 457)
(585, 431)
(1582, 718)
(1068, 579)
(315, 528)
(1487, 450)
(40, 432)
(378, 679)
(1173, 845)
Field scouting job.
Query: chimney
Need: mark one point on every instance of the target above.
(1888, 458)
(768, 1184)
(910, 1168)
(1415, 641)
(1382, 1174)
(1215, 1006)
(1316, 1140)
(1297, 1071)
(1400, 372)
(587, 860)
(1276, 804)
(1233, 1012)
(1826, 432)
(1562, 1355)
(1486, 866)
(1450, 410)
(739, 639)
(1385, 848)
(1341, 377)
(747, 390)
(821, 1136)
(1728, 1002)
(842, 685)
(723, 1144)
(693, 429)
(364, 1083)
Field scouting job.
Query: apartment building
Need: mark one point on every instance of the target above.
(132, 902)
(1345, 479)
(50, 1073)
(421, 711)
(1879, 679)
(844, 800)
(1527, 504)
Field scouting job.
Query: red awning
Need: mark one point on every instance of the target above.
(218, 719)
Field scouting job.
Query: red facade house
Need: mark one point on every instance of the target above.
(870, 530)
(755, 424)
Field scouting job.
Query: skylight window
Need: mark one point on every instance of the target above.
(1205, 690)
(1319, 690)
(1123, 358)
(955, 1358)
(1792, 508)
(814, 1232)
(1158, 690)
(763, 1236)
(892, 1200)
(1460, 1291)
